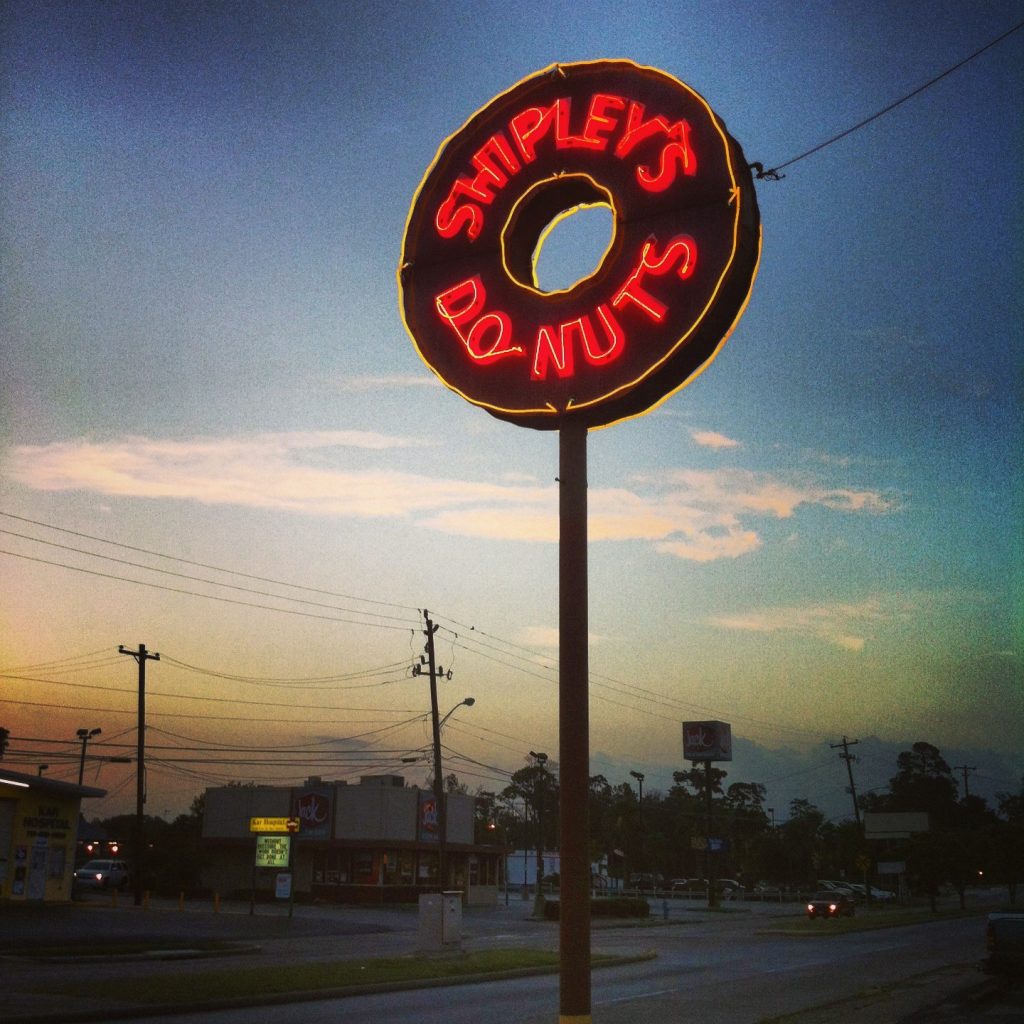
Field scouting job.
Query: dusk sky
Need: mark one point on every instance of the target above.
(218, 440)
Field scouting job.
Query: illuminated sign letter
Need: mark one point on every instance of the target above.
(547, 353)
(471, 296)
(674, 278)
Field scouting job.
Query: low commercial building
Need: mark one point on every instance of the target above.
(38, 823)
(375, 842)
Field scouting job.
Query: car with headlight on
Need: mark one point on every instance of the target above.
(830, 904)
(101, 874)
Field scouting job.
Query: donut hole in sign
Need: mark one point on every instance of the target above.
(560, 234)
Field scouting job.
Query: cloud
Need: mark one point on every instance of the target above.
(849, 626)
(547, 637)
(711, 439)
(699, 516)
(746, 491)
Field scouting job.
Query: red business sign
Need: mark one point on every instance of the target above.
(673, 282)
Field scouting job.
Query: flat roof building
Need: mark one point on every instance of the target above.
(375, 842)
(38, 831)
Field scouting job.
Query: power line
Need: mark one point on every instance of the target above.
(70, 664)
(204, 565)
(301, 682)
(209, 597)
(194, 579)
(773, 173)
(212, 700)
(621, 688)
(213, 718)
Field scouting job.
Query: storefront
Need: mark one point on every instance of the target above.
(38, 824)
(375, 842)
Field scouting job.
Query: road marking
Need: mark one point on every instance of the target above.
(640, 995)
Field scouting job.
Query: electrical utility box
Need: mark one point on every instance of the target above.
(440, 921)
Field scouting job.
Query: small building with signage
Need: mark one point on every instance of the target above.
(375, 842)
(38, 833)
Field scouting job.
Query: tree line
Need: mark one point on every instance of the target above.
(666, 835)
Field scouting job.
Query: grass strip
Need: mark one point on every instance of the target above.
(269, 980)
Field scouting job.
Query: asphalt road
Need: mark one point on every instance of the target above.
(715, 969)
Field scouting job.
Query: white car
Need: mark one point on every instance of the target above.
(102, 874)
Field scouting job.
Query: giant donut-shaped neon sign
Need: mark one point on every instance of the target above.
(674, 281)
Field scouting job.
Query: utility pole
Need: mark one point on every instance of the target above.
(141, 656)
(864, 859)
(965, 768)
(442, 817)
(85, 735)
(848, 757)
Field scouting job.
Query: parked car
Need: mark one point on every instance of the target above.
(645, 881)
(829, 903)
(882, 895)
(1004, 938)
(860, 892)
(689, 887)
(101, 874)
(847, 888)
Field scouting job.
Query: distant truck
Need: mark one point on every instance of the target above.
(1004, 940)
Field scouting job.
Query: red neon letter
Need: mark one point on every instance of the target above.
(529, 126)
(598, 124)
(547, 354)
(675, 153)
(460, 305)
(584, 327)
(492, 160)
(682, 248)
(452, 216)
(638, 130)
(616, 338)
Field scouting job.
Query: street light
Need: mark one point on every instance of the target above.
(442, 817)
(85, 735)
(639, 776)
(467, 701)
(540, 759)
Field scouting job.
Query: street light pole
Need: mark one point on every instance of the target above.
(540, 759)
(710, 858)
(639, 776)
(85, 735)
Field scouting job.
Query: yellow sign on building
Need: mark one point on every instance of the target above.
(282, 825)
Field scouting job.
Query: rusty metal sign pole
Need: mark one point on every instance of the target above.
(573, 727)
